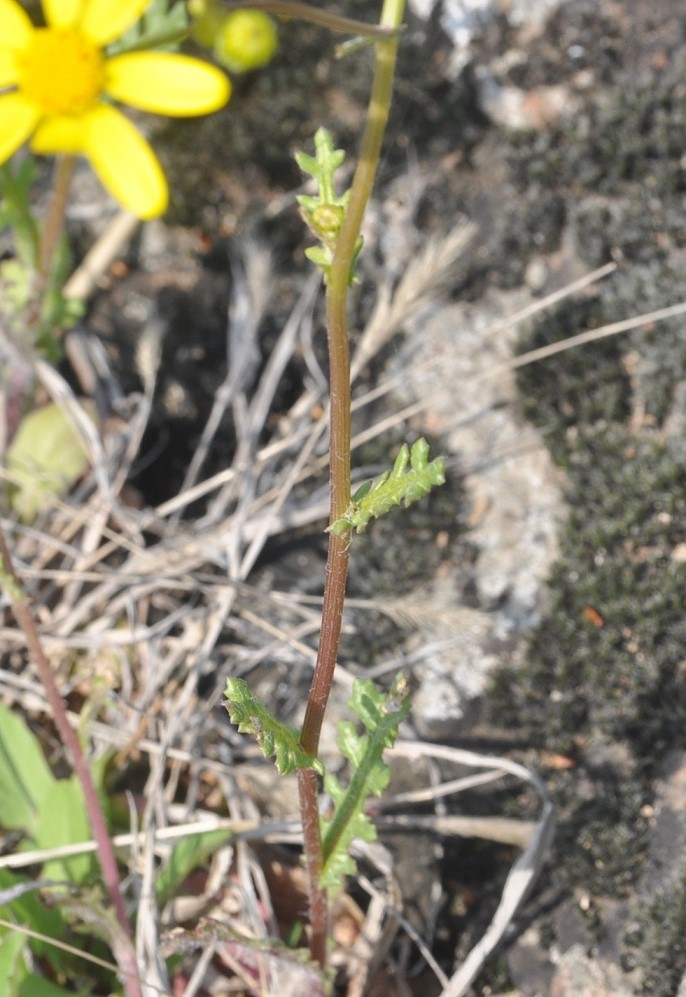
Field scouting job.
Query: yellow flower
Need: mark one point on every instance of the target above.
(59, 85)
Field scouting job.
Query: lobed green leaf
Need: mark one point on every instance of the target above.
(273, 738)
(400, 486)
(381, 714)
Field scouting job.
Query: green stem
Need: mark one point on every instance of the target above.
(339, 361)
(306, 12)
(339, 426)
(123, 949)
(50, 236)
(54, 223)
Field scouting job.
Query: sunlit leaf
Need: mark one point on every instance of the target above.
(25, 779)
(273, 738)
(45, 459)
(402, 485)
(381, 714)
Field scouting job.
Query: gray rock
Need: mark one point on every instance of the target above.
(579, 975)
(458, 357)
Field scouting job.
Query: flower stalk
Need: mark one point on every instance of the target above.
(54, 222)
(314, 15)
(339, 465)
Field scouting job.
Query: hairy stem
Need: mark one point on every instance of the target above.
(54, 223)
(50, 236)
(123, 948)
(312, 846)
(339, 467)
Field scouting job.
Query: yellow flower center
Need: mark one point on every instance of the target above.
(61, 71)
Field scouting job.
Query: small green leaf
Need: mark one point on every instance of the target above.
(322, 168)
(273, 738)
(45, 458)
(400, 486)
(381, 714)
(186, 855)
(29, 908)
(16, 181)
(324, 212)
(25, 779)
(163, 26)
(38, 986)
(64, 821)
(13, 968)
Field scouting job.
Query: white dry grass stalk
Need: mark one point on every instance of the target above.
(526, 868)
(417, 288)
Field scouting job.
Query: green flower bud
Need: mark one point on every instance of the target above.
(246, 39)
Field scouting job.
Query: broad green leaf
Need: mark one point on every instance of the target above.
(186, 856)
(63, 821)
(25, 779)
(45, 458)
(13, 967)
(38, 986)
(29, 908)
(273, 738)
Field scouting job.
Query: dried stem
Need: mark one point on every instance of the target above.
(123, 948)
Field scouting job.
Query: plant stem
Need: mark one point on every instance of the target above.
(306, 12)
(54, 223)
(123, 947)
(339, 466)
(49, 239)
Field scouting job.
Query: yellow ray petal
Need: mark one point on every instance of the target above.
(164, 83)
(8, 68)
(125, 162)
(63, 13)
(105, 20)
(16, 26)
(18, 118)
(64, 133)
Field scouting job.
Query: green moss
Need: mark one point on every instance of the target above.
(607, 657)
(583, 386)
(637, 135)
(661, 942)
(620, 164)
(601, 840)
(604, 668)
